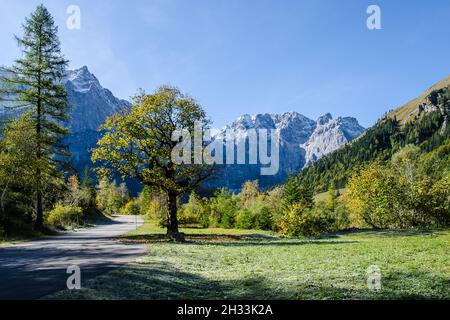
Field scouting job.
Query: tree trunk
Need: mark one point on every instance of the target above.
(39, 223)
(172, 219)
(4, 221)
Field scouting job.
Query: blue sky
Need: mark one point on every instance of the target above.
(255, 56)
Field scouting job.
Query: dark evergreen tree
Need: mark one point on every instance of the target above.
(35, 83)
(296, 193)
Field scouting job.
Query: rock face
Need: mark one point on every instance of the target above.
(90, 105)
(301, 142)
(329, 135)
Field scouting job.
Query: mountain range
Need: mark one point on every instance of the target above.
(302, 140)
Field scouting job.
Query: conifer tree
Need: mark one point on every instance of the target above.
(35, 83)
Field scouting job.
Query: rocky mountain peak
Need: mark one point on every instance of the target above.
(329, 135)
(81, 80)
(324, 119)
(302, 141)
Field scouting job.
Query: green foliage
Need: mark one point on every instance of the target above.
(17, 169)
(313, 221)
(35, 82)
(131, 208)
(63, 216)
(145, 197)
(332, 194)
(250, 209)
(371, 194)
(196, 211)
(294, 192)
(153, 204)
(78, 195)
(111, 198)
(223, 209)
(157, 210)
(379, 143)
(139, 144)
(263, 219)
(245, 219)
(400, 194)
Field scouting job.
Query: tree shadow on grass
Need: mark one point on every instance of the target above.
(385, 233)
(230, 240)
(161, 281)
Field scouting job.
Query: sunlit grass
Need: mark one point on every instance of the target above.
(236, 264)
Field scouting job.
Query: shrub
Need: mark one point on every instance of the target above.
(263, 219)
(373, 195)
(339, 217)
(274, 201)
(110, 198)
(131, 208)
(223, 209)
(157, 210)
(78, 195)
(63, 216)
(441, 201)
(244, 219)
(315, 222)
(302, 221)
(261, 213)
(196, 211)
(400, 194)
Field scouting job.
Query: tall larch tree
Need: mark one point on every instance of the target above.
(35, 83)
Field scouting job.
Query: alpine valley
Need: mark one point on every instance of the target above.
(302, 140)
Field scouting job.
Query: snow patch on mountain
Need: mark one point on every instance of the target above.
(329, 135)
(302, 142)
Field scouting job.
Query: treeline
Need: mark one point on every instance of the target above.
(379, 143)
(64, 198)
(412, 190)
(280, 210)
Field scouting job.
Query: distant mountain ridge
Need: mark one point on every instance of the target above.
(90, 105)
(302, 142)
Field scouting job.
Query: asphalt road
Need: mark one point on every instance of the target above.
(37, 268)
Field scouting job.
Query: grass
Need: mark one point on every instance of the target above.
(19, 236)
(5, 242)
(236, 264)
(323, 196)
(407, 112)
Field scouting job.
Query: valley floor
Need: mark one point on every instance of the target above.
(236, 264)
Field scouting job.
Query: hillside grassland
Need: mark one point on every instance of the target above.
(407, 112)
(237, 264)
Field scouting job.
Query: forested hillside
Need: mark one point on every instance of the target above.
(428, 129)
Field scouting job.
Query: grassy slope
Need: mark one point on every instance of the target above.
(221, 264)
(409, 110)
(323, 196)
